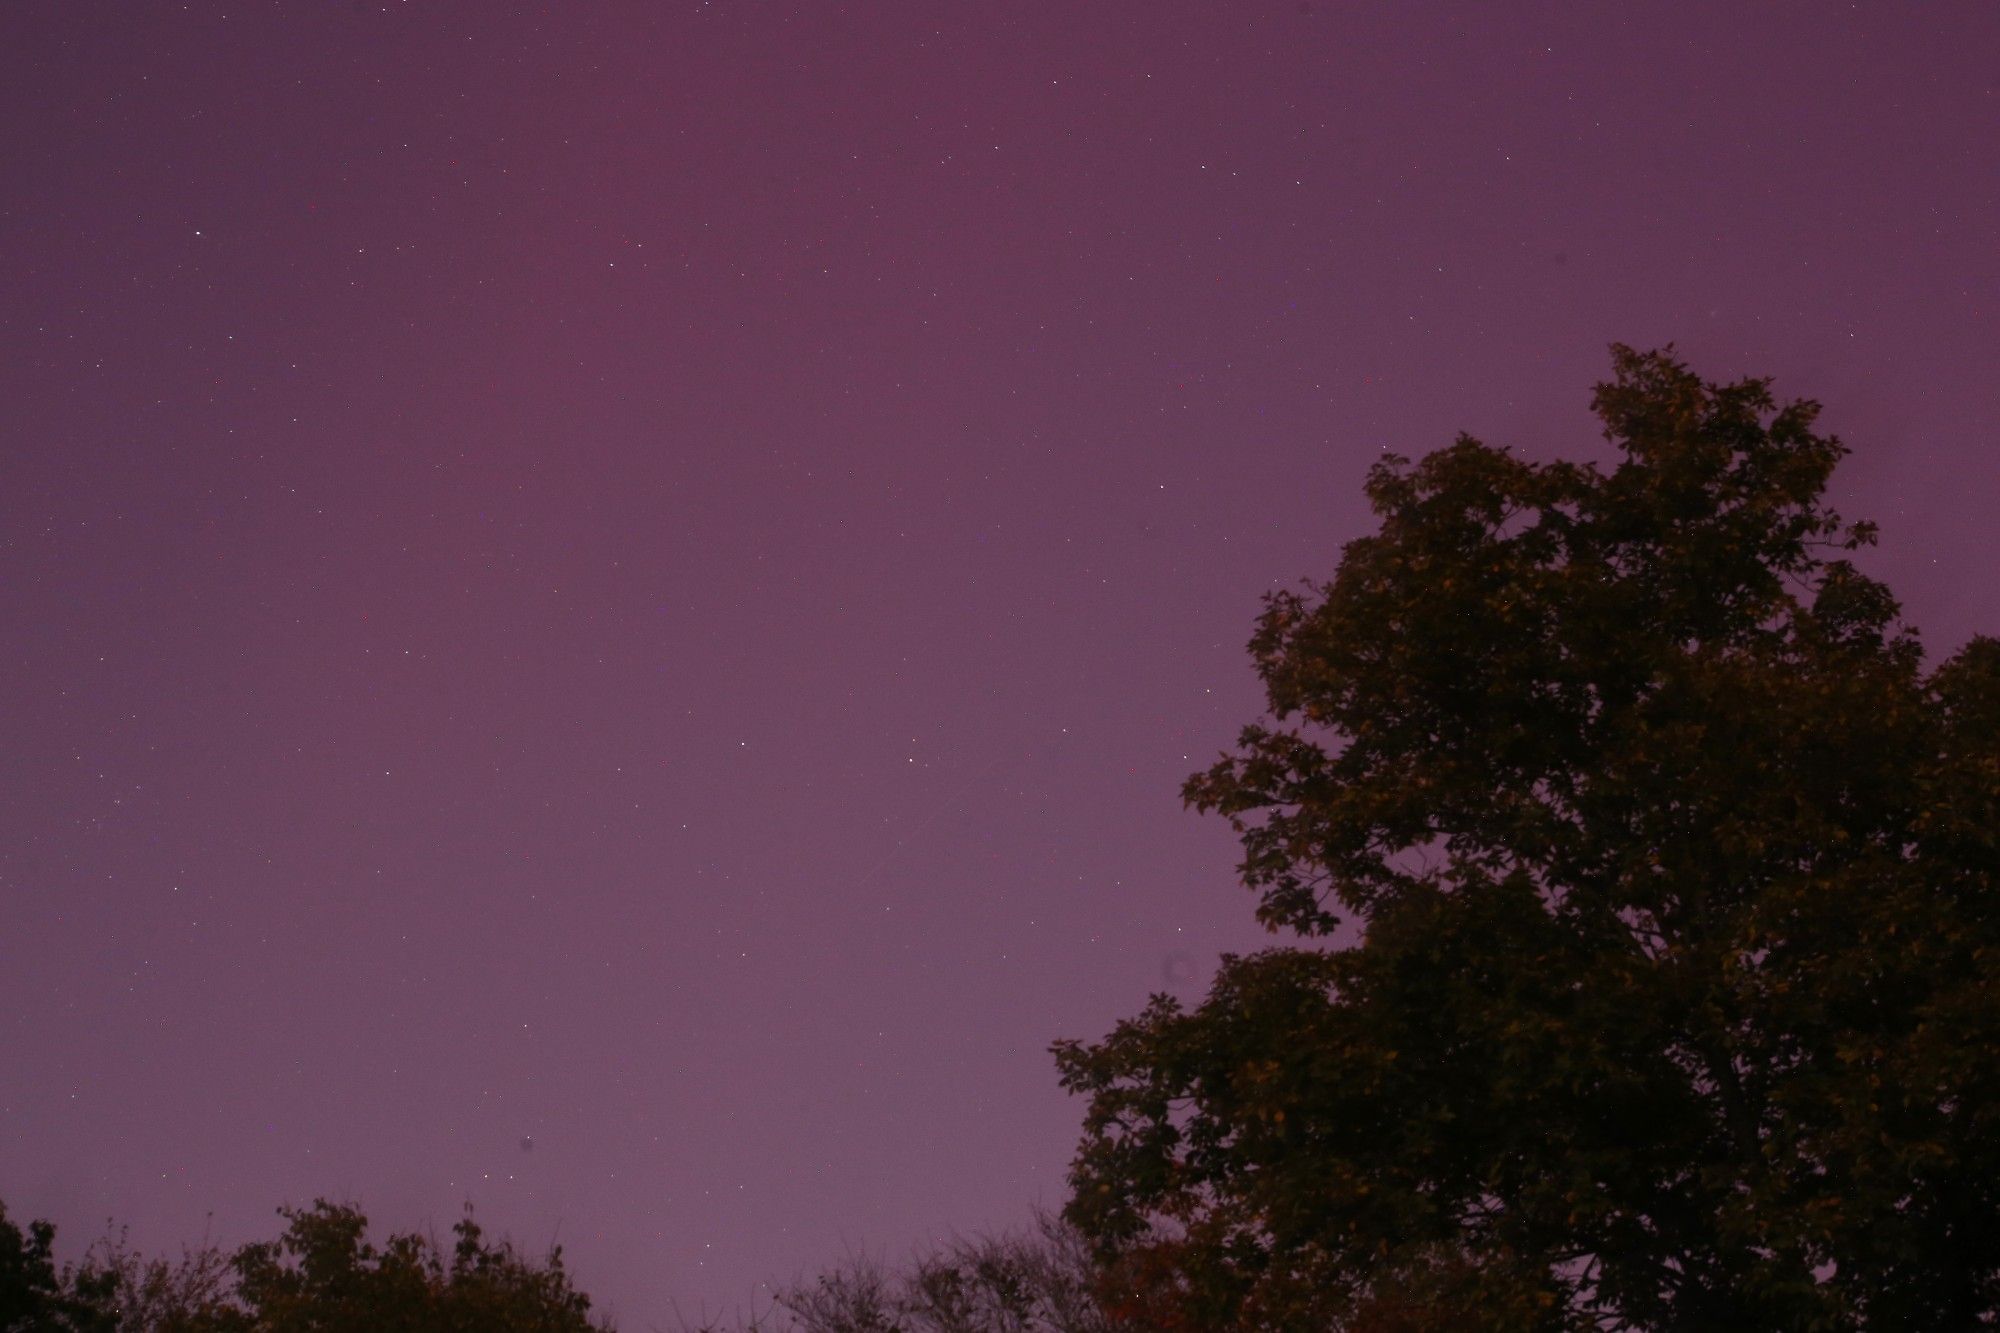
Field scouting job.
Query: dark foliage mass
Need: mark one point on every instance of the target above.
(1644, 878)
(37, 1296)
(322, 1276)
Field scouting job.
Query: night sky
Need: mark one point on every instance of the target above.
(604, 604)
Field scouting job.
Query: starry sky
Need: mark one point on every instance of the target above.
(604, 603)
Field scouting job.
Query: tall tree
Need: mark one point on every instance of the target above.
(1644, 880)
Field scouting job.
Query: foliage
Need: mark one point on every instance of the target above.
(1044, 1282)
(321, 1276)
(161, 1295)
(1644, 883)
(38, 1297)
(324, 1276)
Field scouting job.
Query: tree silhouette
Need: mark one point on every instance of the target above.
(322, 1275)
(1040, 1281)
(1644, 882)
(38, 1297)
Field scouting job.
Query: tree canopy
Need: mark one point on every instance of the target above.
(37, 1296)
(323, 1275)
(1643, 878)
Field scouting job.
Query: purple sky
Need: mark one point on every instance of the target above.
(604, 604)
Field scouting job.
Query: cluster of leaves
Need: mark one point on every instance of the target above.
(321, 1276)
(1645, 887)
(36, 1296)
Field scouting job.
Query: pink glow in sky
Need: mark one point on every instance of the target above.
(604, 604)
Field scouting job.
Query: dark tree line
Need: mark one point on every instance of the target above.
(324, 1275)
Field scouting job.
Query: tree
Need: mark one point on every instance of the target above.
(323, 1276)
(1643, 876)
(1040, 1282)
(185, 1295)
(38, 1297)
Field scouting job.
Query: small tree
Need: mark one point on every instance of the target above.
(1039, 1282)
(1665, 877)
(38, 1297)
(184, 1295)
(323, 1276)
